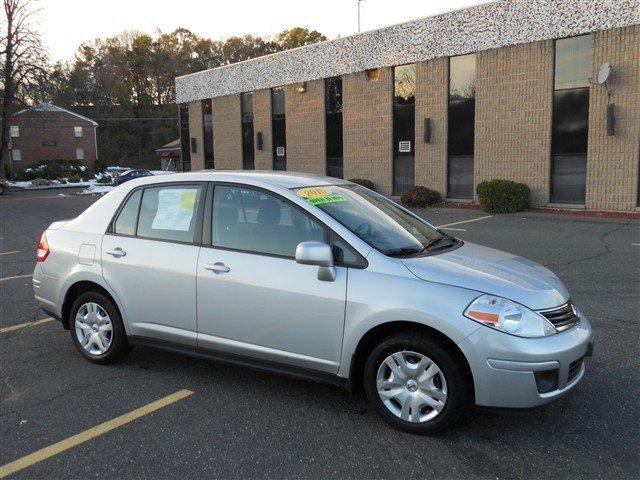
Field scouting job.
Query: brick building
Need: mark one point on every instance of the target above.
(545, 92)
(47, 133)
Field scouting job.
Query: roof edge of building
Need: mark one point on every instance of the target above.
(485, 26)
(50, 107)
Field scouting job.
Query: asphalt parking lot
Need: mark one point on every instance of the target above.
(239, 423)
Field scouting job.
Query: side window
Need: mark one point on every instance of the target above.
(343, 253)
(169, 212)
(125, 224)
(256, 221)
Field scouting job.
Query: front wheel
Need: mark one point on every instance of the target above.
(96, 328)
(415, 384)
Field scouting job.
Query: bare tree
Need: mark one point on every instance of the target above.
(23, 63)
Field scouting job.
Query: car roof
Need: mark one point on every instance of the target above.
(253, 177)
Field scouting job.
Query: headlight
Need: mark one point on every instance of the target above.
(507, 316)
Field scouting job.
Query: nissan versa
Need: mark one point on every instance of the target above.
(318, 278)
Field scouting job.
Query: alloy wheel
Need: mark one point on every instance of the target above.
(94, 328)
(411, 386)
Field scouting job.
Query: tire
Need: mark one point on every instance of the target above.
(1, 189)
(98, 317)
(436, 396)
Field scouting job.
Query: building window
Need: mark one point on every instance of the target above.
(404, 127)
(14, 131)
(333, 122)
(185, 148)
(207, 127)
(279, 129)
(246, 114)
(16, 155)
(570, 119)
(79, 154)
(461, 118)
(77, 131)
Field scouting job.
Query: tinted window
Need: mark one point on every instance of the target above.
(126, 222)
(333, 126)
(573, 62)
(461, 133)
(169, 212)
(246, 105)
(207, 122)
(255, 221)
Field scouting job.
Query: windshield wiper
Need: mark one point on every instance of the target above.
(398, 252)
(436, 241)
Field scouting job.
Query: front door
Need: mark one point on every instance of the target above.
(149, 260)
(253, 298)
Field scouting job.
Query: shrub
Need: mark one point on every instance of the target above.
(503, 196)
(74, 179)
(105, 179)
(364, 182)
(420, 197)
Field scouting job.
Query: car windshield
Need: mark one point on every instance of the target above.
(375, 219)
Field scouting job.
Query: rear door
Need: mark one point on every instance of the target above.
(149, 258)
(253, 298)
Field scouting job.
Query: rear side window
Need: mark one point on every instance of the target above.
(125, 224)
(169, 212)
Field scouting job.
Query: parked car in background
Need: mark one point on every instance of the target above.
(131, 174)
(318, 278)
(4, 186)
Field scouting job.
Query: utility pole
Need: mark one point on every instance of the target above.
(359, 2)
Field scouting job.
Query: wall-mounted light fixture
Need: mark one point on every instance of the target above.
(259, 141)
(427, 130)
(302, 87)
(604, 79)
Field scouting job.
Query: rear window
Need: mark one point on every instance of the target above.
(169, 212)
(125, 224)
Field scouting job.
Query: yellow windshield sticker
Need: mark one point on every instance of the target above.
(187, 199)
(311, 192)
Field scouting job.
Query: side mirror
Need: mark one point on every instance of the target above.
(319, 254)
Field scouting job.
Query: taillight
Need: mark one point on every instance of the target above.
(43, 249)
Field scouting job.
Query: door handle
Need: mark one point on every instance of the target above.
(117, 252)
(217, 267)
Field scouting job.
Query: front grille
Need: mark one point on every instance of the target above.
(574, 369)
(562, 318)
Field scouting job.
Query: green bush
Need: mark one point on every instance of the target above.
(420, 197)
(105, 179)
(74, 179)
(503, 196)
(53, 170)
(364, 182)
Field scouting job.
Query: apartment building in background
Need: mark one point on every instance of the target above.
(48, 133)
(545, 92)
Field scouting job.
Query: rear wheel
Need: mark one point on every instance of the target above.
(96, 328)
(415, 384)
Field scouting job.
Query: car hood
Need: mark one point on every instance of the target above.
(492, 271)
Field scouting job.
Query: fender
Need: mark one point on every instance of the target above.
(433, 305)
(77, 275)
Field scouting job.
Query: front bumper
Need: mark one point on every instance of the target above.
(505, 367)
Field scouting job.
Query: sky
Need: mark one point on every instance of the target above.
(65, 24)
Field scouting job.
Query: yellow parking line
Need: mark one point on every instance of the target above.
(13, 278)
(9, 253)
(25, 325)
(464, 221)
(82, 437)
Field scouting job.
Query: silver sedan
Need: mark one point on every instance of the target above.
(318, 278)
